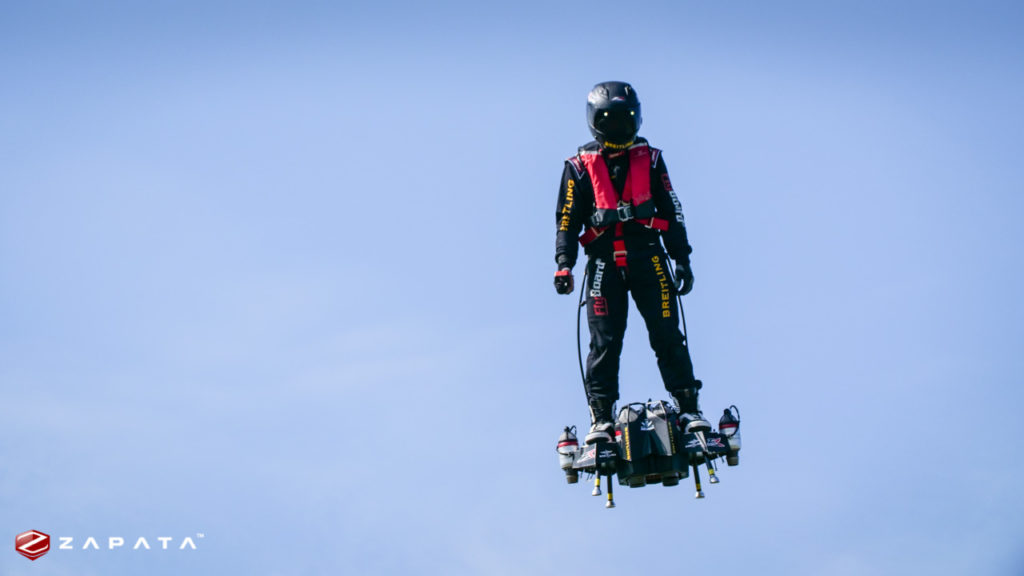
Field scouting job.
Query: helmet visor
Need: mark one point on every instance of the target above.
(617, 126)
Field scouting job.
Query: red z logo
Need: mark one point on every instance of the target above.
(32, 544)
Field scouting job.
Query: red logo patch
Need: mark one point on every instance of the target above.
(600, 306)
(32, 544)
(666, 182)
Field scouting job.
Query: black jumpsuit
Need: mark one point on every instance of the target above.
(646, 276)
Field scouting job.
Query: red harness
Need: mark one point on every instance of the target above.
(638, 185)
(610, 208)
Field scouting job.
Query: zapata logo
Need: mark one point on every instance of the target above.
(32, 544)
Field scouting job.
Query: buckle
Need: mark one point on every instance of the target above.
(625, 213)
(619, 254)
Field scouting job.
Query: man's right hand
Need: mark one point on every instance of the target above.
(563, 281)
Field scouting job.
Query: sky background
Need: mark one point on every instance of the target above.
(280, 274)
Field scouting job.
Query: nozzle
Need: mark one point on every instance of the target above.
(597, 486)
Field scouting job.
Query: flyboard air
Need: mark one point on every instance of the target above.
(651, 448)
(651, 445)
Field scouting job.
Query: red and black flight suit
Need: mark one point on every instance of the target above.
(625, 256)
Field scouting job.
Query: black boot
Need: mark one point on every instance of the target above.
(602, 429)
(690, 418)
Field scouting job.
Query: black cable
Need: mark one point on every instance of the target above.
(679, 299)
(579, 346)
(682, 318)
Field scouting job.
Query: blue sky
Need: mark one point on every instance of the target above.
(281, 275)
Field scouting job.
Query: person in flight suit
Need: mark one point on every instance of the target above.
(616, 200)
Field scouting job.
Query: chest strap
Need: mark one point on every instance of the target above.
(592, 233)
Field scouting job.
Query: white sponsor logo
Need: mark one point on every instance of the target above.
(678, 206)
(115, 542)
(595, 290)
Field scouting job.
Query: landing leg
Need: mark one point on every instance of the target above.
(696, 478)
(711, 470)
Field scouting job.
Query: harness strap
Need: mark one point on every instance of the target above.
(619, 246)
(592, 233)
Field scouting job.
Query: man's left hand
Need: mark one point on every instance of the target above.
(684, 278)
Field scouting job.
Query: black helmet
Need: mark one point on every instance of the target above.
(613, 114)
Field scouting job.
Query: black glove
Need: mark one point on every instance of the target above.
(684, 278)
(563, 281)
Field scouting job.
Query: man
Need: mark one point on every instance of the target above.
(616, 191)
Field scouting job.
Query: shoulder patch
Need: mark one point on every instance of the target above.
(577, 166)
